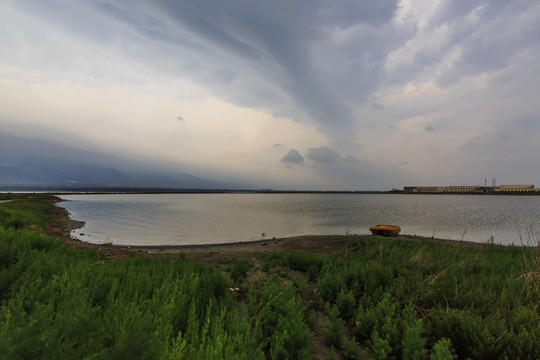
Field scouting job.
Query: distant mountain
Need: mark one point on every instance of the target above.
(12, 175)
(56, 172)
(185, 181)
(30, 162)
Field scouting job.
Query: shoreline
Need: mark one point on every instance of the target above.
(61, 225)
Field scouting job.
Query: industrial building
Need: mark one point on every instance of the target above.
(471, 189)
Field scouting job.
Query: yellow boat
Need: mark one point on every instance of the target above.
(385, 230)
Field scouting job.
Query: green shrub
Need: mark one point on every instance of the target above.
(330, 283)
(378, 318)
(240, 269)
(334, 328)
(380, 348)
(413, 341)
(351, 350)
(281, 317)
(442, 350)
(346, 304)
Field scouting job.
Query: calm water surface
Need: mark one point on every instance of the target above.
(182, 219)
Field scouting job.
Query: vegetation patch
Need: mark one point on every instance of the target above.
(379, 298)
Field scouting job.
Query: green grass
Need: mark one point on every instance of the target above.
(385, 298)
(24, 210)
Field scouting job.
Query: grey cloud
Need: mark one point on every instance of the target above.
(71, 17)
(469, 145)
(429, 128)
(347, 13)
(281, 56)
(179, 118)
(509, 137)
(485, 35)
(452, 11)
(303, 59)
(513, 22)
(350, 158)
(455, 9)
(323, 155)
(523, 124)
(293, 157)
(276, 49)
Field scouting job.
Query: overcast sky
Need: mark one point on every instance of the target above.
(304, 94)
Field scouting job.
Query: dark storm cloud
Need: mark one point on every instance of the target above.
(303, 58)
(308, 60)
(271, 51)
(277, 36)
(293, 157)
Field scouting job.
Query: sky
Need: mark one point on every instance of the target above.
(305, 94)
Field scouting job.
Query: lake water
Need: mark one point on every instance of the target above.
(184, 219)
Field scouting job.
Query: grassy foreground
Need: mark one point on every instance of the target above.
(377, 298)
